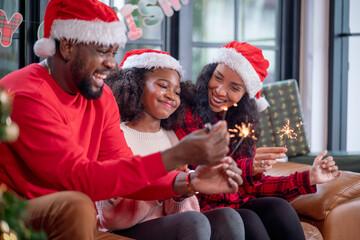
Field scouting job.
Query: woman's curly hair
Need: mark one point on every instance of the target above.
(127, 86)
(245, 112)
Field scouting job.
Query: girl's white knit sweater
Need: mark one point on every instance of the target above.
(121, 213)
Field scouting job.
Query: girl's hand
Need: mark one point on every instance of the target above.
(265, 158)
(185, 169)
(221, 177)
(323, 170)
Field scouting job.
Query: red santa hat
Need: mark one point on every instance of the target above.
(82, 21)
(149, 58)
(249, 62)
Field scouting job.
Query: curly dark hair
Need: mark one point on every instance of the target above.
(245, 112)
(127, 86)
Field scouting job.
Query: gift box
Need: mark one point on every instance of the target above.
(282, 123)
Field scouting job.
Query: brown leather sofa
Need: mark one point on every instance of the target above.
(333, 212)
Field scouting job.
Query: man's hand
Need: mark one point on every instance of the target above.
(265, 158)
(323, 170)
(222, 177)
(199, 147)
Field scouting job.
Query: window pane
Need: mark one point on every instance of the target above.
(271, 57)
(354, 16)
(9, 58)
(121, 52)
(257, 22)
(201, 57)
(107, 2)
(353, 117)
(213, 21)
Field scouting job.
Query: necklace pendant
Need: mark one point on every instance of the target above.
(47, 66)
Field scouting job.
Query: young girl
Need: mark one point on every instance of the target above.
(233, 80)
(147, 90)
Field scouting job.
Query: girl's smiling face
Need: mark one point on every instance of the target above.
(161, 93)
(225, 88)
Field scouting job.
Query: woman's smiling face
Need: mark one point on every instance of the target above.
(225, 88)
(161, 93)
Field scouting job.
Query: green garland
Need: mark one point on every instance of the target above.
(12, 209)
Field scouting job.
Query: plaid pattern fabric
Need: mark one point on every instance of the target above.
(253, 187)
(7, 28)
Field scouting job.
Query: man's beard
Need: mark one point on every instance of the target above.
(84, 87)
(86, 90)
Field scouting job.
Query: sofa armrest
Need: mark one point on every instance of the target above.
(342, 221)
(328, 196)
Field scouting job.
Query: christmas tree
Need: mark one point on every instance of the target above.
(12, 208)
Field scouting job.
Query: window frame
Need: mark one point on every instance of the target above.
(175, 30)
(339, 34)
(287, 47)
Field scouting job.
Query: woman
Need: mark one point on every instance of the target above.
(229, 88)
(147, 90)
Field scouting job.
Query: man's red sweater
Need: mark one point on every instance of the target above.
(67, 142)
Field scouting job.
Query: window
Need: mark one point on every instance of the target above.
(10, 57)
(153, 37)
(344, 113)
(20, 53)
(189, 35)
(353, 116)
(199, 28)
(206, 25)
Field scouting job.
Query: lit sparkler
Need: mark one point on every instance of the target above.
(287, 132)
(224, 108)
(242, 132)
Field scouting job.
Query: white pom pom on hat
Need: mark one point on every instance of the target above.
(249, 62)
(44, 47)
(82, 21)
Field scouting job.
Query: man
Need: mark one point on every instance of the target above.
(70, 148)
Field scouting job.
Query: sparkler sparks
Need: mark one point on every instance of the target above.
(242, 132)
(287, 132)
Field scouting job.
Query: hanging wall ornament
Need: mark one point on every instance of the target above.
(153, 15)
(7, 28)
(40, 31)
(134, 32)
(167, 6)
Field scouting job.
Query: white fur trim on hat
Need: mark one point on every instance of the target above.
(262, 104)
(237, 62)
(153, 60)
(81, 31)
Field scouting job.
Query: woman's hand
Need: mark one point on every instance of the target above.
(265, 158)
(323, 170)
(221, 177)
